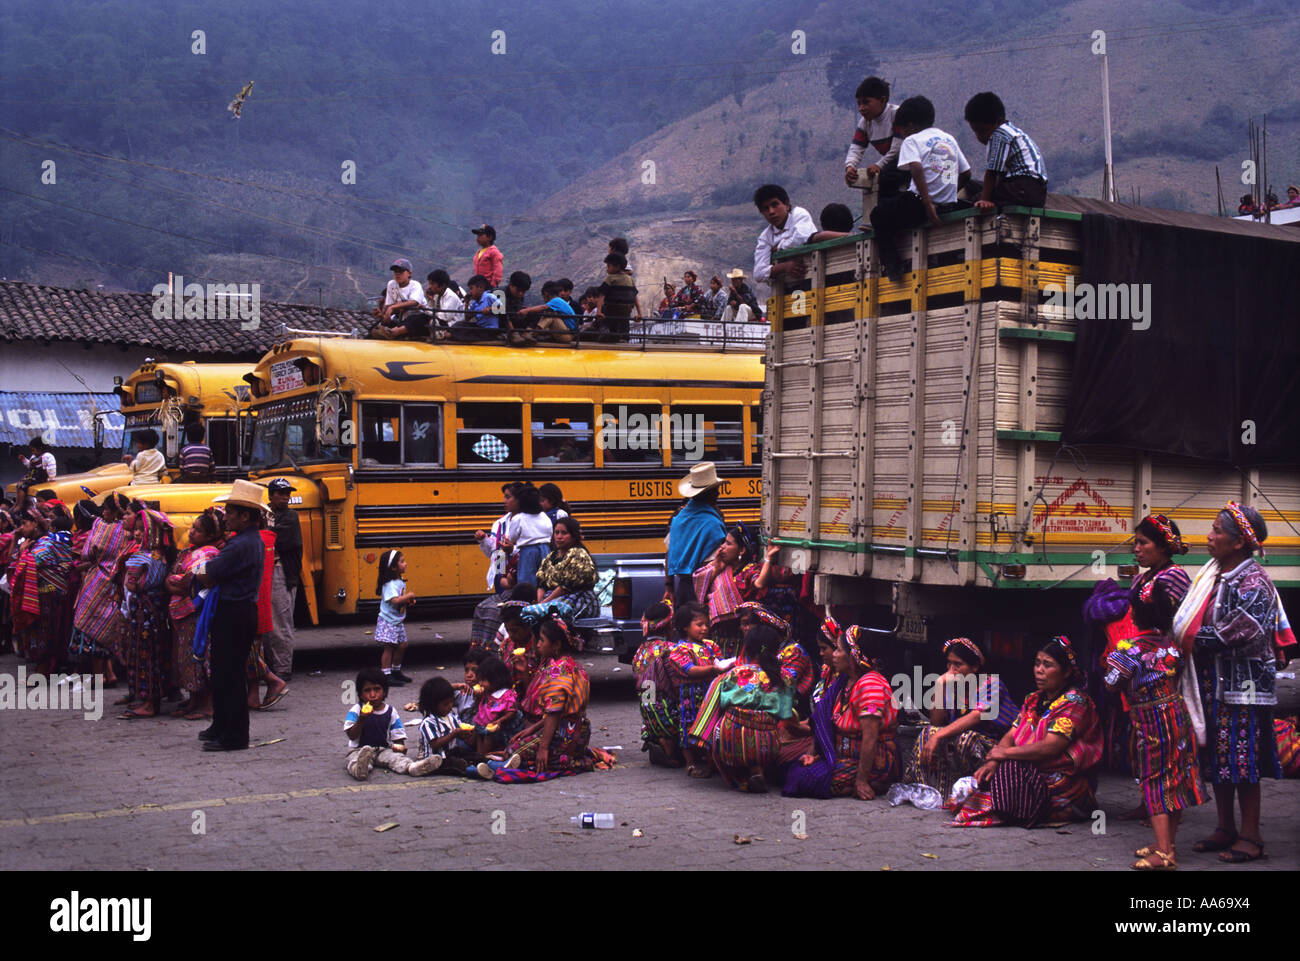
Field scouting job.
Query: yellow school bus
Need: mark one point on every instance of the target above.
(407, 446)
(168, 397)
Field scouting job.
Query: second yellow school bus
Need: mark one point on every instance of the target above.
(407, 446)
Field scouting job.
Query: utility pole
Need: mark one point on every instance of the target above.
(1108, 174)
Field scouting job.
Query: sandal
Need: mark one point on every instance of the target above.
(1168, 863)
(1210, 844)
(135, 716)
(198, 716)
(1233, 856)
(699, 771)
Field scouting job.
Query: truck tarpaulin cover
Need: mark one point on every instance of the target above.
(1222, 348)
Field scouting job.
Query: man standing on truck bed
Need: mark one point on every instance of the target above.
(695, 532)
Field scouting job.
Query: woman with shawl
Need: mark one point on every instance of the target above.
(854, 725)
(557, 743)
(976, 712)
(192, 670)
(724, 582)
(1040, 772)
(148, 634)
(97, 618)
(40, 588)
(1232, 618)
(565, 577)
(754, 698)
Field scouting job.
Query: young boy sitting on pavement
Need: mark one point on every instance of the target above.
(376, 737)
(1015, 171)
(938, 170)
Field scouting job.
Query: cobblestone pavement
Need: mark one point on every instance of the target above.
(113, 794)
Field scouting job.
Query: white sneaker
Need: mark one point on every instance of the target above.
(426, 766)
(514, 761)
(363, 763)
(485, 771)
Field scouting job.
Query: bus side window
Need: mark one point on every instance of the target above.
(631, 433)
(380, 434)
(422, 434)
(489, 434)
(562, 434)
(707, 432)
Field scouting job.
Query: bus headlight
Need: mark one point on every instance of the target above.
(340, 595)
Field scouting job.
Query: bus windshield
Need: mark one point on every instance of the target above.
(285, 434)
(134, 422)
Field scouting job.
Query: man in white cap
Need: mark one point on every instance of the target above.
(695, 532)
(402, 294)
(237, 573)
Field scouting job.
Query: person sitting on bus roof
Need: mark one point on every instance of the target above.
(444, 298)
(565, 286)
(148, 464)
(402, 294)
(787, 226)
(1292, 198)
(714, 303)
(742, 305)
(1247, 206)
(837, 221)
(688, 298)
(1015, 172)
(555, 314)
(590, 302)
(520, 283)
(482, 311)
(617, 298)
(619, 246)
(938, 169)
(488, 261)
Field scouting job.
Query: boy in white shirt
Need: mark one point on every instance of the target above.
(938, 170)
(376, 736)
(875, 129)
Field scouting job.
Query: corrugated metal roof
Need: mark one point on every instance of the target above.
(63, 420)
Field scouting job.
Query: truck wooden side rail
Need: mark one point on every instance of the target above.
(912, 452)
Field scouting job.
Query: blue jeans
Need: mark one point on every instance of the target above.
(530, 559)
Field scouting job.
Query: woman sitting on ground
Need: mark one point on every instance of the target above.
(754, 698)
(558, 741)
(854, 726)
(1040, 771)
(977, 711)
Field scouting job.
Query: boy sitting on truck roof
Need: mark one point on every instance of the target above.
(875, 129)
(1015, 173)
(938, 170)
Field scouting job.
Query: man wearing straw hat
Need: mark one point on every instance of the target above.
(236, 573)
(695, 532)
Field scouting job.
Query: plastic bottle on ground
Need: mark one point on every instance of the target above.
(588, 820)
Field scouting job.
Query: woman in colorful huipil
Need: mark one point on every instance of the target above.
(1041, 770)
(754, 698)
(97, 618)
(192, 672)
(40, 587)
(147, 637)
(6, 548)
(84, 514)
(723, 583)
(660, 722)
(692, 666)
(866, 723)
(557, 742)
(977, 712)
(1232, 614)
(1147, 665)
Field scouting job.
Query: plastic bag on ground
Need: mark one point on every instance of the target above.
(961, 790)
(919, 795)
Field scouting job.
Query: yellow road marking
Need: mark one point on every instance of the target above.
(150, 808)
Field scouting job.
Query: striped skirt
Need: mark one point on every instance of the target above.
(848, 748)
(692, 701)
(745, 739)
(659, 718)
(191, 672)
(1288, 745)
(953, 759)
(1166, 754)
(1016, 797)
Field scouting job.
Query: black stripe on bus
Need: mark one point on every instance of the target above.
(608, 382)
(577, 472)
(423, 511)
